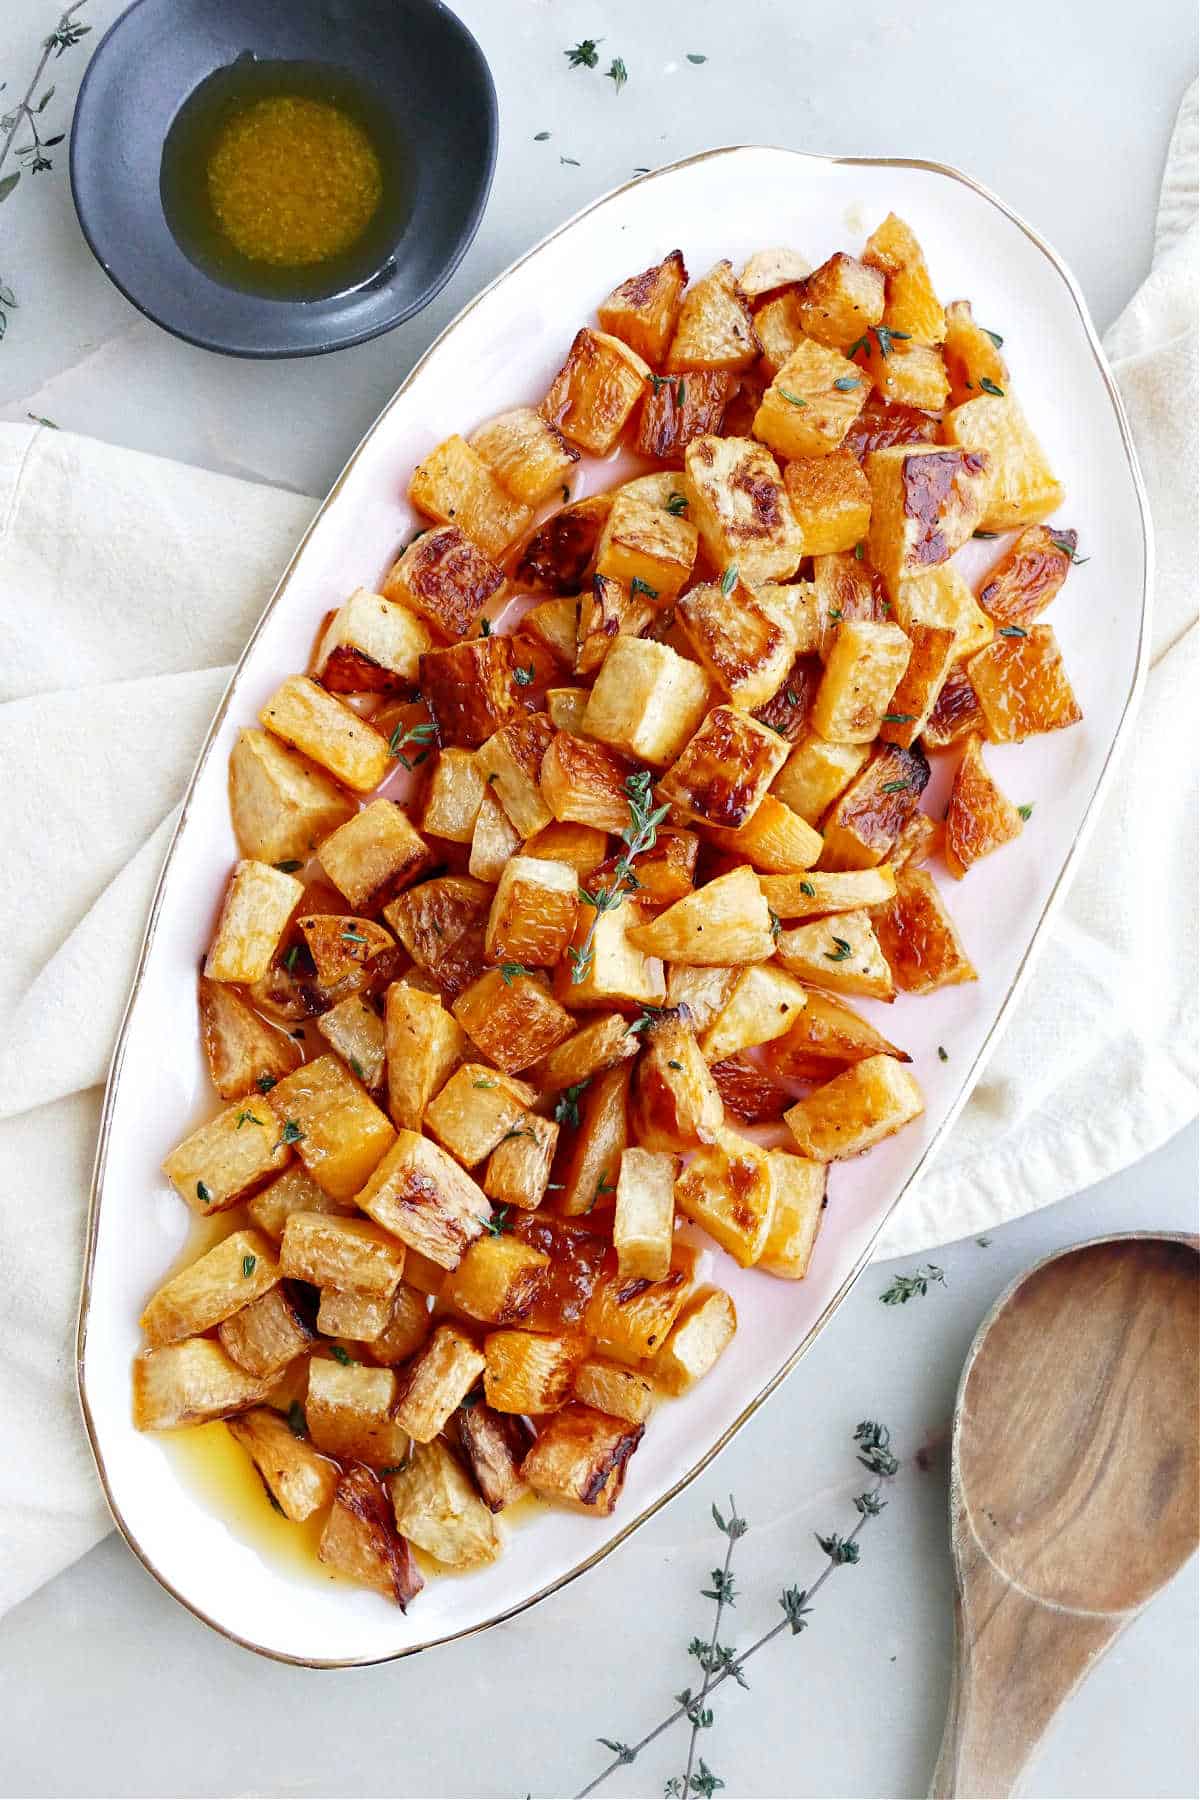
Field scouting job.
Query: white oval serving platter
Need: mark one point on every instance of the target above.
(502, 351)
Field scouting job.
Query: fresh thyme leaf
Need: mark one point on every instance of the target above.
(909, 1287)
(862, 343)
(806, 887)
(844, 383)
(837, 1548)
(291, 1134)
(895, 787)
(571, 162)
(729, 579)
(342, 1356)
(792, 1601)
(676, 504)
(869, 1505)
(297, 1421)
(874, 1442)
(661, 381)
(842, 951)
(984, 1243)
(792, 399)
(1013, 631)
(265, 1083)
(289, 961)
(858, 552)
(510, 970)
(694, 56)
(352, 935)
(638, 586)
(835, 614)
(1026, 810)
(482, 1081)
(672, 1064)
(203, 1193)
(885, 338)
(583, 54)
(358, 1068)
(425, 734)
(603, 1186)
(246, 1118)
(989, 387)
(680, 392)
(617, 73)
(995, 337)
(621, 1751)
(539, 137)
(497, 1225)
(943, 1053)
(1068, 549)
(524, 676)
(638, 837)
(289, 866)
(776, 923)
(249, 1264)
(485, 628)
(395, 1468)
(519, 1131)
(566, 1107)
(898, 719)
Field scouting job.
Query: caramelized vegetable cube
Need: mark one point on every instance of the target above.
(1022, 489)
(455, 486)
(329, 732)
(857, 1109)
(1029, 574)
(374, 855)
(841, 953)
(724, 770)
(475, 1109)
(748, 1091)
(439, 1511)
(824, 1038)
(918, 936)
(980, 817)
(608, 611)
(642, 311)
(258, 903)
(560, 553)
(533, 914)
(454, 796)
(515, 1019)
(339, 1133)
(703, 1331)
(592, 1155)
(595, 391)
(647, 701)
(972, 355)
(746, 639)
(776, 839)
(579, 1459)
(530, 1372)
(341, 944)
(281, 804)
(813, 895)
(942, 598)
(226, 1158)
(241, 1049)
(422, 1196)
(496, 1281)
(435, 1382)
(864, 823)
(726, 1189)
(840, 300)
(423, 1045)
(353, 1255)
(355, 1030)
(600, 1044)
(956, 711)
(359, 1540)
(676, 1103)
(578, 847)
(725, 922)
(811, 403)
(298, 1478)
(371, 646)
(933, 651)
(264, 1337)
(1022, 686)
(408, 1323)
(798, 1202)
(435, 919)
(621, 1393)
(494, 840)
(526, 454)
(764, 1004)
(715, 329)
(519, 1167)
(446, 579)
(645, 544)
(359, 1317)
(910, 304)
(577, 1256)
(675, 409)
(470, 689)
(831, 501)
(229, 1276)
(866, 661)
(618, 970)
(188, 1384)
(584, 782)
(925, 502)
(293, 1191)
(495, 1445)
(644, 1216)
(816, 773)
(628, 1319)
(511, 765)
(740, 505)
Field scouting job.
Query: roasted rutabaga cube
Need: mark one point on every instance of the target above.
(972, 355)
(600, 1044)
(595, 391)
(513, 1017)
(436, 918)
(956, 711)
(281, 804)
(518, 1169)
(360, 1317)
(331, 733)
(642, 311)
(592, 1155)
(715, 329)
(929, 664)
(533, 913)
(566, 705)
(824, 1038)
(750, 1093)
(925, 502)
(511, 764)
(644, 1215)
(339, 944)
(497, 1280)
(676, 1103)
(471, 690)
(842, 953)
(527, 455)
(577, 1256)
(293, 1191)
(584, 783)
(816, 773)
(644, 544)
(258, 903)
(408, 1323)
(580, 1457)
(1027, 577)
(630, 1318)
(351, 1254)
(740, 505)
(745, 638)
(704, 1329)
(866, 661)
(840, 300)
(786, 712)
(619, 971)
(843, 590)
(980, 817)
(910, 303)
(189, 1383)
(424, 1042)
(867, 818)
(222, 1281)
(676, 408)
(621, 1393)
(725, 922)
(438, 1510)
(1021, 487)
(918, 937)
(530, 1372)
(812, 402)
(355, 1030)
(797, 1205)
(445, 579)
(422, 1196)
(374, 854)
(883, 423)
(724, 770)
(813, 895)
(351, 1412)
(371, 646)
(940, 597)
(764, 1003)
(454, 796)
(665, 872)
(608, 610)
(474, 1110)
(858, 1108)
(831, 501)
(241, 1049)
(455, 486)
(338, 1131)
(778, 266)
(903, 372)
(494, 839)
(561, 551)
(1022, 686)
(494, 1445)
(361, 1542)
(434, 1383)
(726, 1189)
(299, 1479)
(702, 991)
(647, 701)
(264, 1337)
(226, 1158)
(778, 326)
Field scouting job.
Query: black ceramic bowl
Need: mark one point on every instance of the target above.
(412, 57)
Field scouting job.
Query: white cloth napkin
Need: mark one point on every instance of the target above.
(129, 586)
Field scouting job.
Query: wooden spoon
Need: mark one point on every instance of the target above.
(1073, 1487)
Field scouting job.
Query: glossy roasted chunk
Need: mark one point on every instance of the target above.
(281, 804)
(1029, 574)
(827, 1036)
(442, 921)
(438, 1509)
(798, 1196)
(594, 1134)
(904, 373)
(745, 638)
(264, 1337)
(925, 502)
(748, 1091)
(338, 1131)
(629, 1319)
(560, 553)
(530, 1371)
(726, 1190)
(842, 953)
(454, 485)
(576, 1256)
(527, 455)
(1022, 489)
(350, 1412)
(497, 1280)
(840, 300)
(188, 1384)
(646, 547)
(371, 646)
(779, 327)
(579, 1459)
(940, 597)
(1022, 686)
(676, 1104)
(514, 1020)
(882, 424)
(533, 913)
(518, 1169)
(643, 310)
(715, 329)
(595, 391)
(446, 579)
(810, 405)
(858, 1108)
(703, 1331)
(724, 770)
(725, 922)
(813, 895)
(910, 304)
(511, 764)
(298, 1478)
(339, 944)
(494, 1444)
(226, 1158)
(919, 938)
(602, 1043)
(815, 774)
(328, 732)
(763, 1004)
(471, 690)
(355, 1030)
(241, 1049)
(916, 694)
(845, 593)
(646, 702)
(973, 360)
(454, 796)
(786, 712)
(831, 501)
(664, 872)
(361, 1542)
(866, 661)
(584, 782)
(238, 1270)
(374, 854)
(677, 408)
(475, 1109)
(621, 1393)
(955, 712)
(436, 1381)
(866, 820)
(421, 1195)
(741, 508)
(979, 818)
(258, 903)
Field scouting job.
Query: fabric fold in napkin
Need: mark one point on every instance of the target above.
(131, 585)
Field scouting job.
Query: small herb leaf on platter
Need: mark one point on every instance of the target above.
(510, 970)
(498, 1224)
(792, 399)
(638, 586)
(840, 953)
(617, 73)
(985, 534)
(246, 1118)
(806, 887)
(844, 383)
(524, 676)
(203, 1193)
(539, 137)
(676, 505)
(874, 1441)
(265, 1083)
(911, 1287)
(1026, 810)
(995, 337)
(1017, 631)
(583, 55)
(291, 1134)
(297, 1420)
(1068, 549)
(943, 1053)
(341, 1356)
(729, 579)
(424, 735)
(566, 1107)
(694, 56)
(249, 1264)
(989, 387)
(570, 162)
(899, 718)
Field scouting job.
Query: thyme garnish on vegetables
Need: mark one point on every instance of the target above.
(638, 837)
(425, 735)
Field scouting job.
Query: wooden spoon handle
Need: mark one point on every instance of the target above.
(1016, 1661)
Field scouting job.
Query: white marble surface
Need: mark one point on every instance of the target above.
(1065, 112)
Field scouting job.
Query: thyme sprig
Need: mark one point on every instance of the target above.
(424, 734)
(66, 34)
(638, 837)
(910, 1287)
(723, 1662)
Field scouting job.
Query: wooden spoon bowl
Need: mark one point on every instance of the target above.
(1074, 1486)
